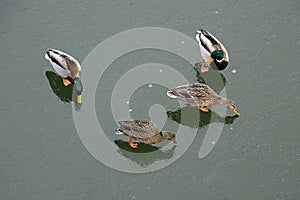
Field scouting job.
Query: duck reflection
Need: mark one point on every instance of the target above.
(138, 155)
(193, 120)
(213, 78)
(64, 93)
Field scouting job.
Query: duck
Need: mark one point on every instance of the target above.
(143, 130)
(201, 95)
(212, 51)
(68, 68)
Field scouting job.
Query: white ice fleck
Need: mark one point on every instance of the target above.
(231, 128)
(127, 102)
(150, 85)
(130, 110)
(234, 71)
(182, 42)
(213, 142)
(216, 12)
(160, 70)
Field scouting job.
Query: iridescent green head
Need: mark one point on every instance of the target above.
(217, 55)
(78, 89)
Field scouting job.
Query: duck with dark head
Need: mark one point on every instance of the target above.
(213, 52)
(68, 68)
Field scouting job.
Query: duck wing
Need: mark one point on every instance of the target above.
(209, 37)
(205, 95)
(64, 64)
(211, 43)
(139, 128)
(208, 41)
(197, 92)
(180, 92)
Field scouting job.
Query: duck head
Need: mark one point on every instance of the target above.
(231, 105)
(78, 89)
(169, 136)
(217, 55)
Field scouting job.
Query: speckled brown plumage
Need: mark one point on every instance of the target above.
(200, 95)
(144, 131)
(138, 129)
(197, 93)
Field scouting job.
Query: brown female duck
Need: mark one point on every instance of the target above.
(143, 130)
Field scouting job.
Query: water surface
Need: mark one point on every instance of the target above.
(257, 155)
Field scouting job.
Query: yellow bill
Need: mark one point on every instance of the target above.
(236, 112)
(209, 60)
(79, 99)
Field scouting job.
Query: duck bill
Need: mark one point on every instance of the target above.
(236, 112)
(174, 141)
(198, 31)
(79, 99)
(209, 60)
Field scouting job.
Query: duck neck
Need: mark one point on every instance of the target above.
(223, 100)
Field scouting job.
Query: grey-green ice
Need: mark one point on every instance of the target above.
(257, 155)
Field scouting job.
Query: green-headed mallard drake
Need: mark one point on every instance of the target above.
(200, 95)
(212, 51)
(68, 68)
(143, 130)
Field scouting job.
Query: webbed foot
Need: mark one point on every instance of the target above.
(203, 67)
(66, 82)
(132, 144)
(203, 108)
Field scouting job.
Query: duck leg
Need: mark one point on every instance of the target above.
(203, 67)
(66, 82)
(203, 108)
(132, 144)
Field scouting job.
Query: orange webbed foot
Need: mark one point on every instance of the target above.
(203, 67)
(66, 82)
(203, 108)
(132, 144)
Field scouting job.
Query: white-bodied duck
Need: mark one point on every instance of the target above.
(213, 52)
(68, 68)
